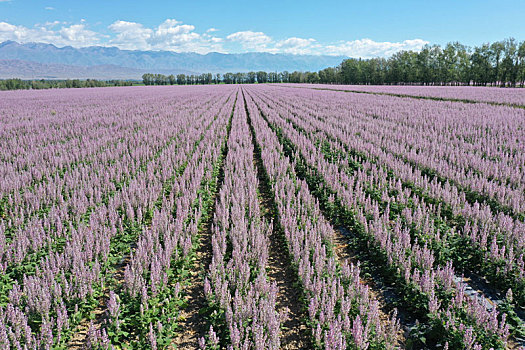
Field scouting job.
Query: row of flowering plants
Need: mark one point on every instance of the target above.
(478, 240)
(97, 214)
(483, 243)
(341, 309)
(470, 94)
(436, 293)
(48, 209)
(475, 147)
(143, 309)
(242, 299)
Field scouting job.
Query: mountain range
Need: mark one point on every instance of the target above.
(47, 61)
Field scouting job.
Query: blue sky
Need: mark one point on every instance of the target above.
(353, 28)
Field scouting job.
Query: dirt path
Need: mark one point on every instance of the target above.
(295, 334)
(80, 338)
(344, 252)
(192, 323)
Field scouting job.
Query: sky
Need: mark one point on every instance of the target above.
(366, 28)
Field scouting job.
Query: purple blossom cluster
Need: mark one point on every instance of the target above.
(413, 259)
(97, 201)
(499, 236)
(342, 311)
(237, 282)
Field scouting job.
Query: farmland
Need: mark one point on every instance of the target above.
(262, 217)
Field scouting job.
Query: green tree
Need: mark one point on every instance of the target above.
(521, 63)
(262, 77)
(509, 63)
(181, 79)
(496, 50)
(252, 76)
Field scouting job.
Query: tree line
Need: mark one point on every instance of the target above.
(498, 64)
(501, 63)
(19, 84)
(209, 78)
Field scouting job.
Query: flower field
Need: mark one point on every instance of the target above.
(491, 95)
(262, 217)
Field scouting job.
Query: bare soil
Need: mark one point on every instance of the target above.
(192, 323)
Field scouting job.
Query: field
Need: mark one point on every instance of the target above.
(286, 216)
(491, 95)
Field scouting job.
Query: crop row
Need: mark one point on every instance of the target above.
(459, 221)
(65, 284)
(472, 94)
(432, 285)
(342, 312)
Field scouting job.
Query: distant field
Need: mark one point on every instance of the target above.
(512, 96)
(285, 216)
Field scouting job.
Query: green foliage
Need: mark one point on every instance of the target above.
(19, 84)
(499, 64)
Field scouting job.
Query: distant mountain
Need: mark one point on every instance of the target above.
(162, 61)
(35, 70)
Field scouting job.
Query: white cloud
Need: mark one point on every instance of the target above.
(130, 35)
(169, 35)
(6, 27)
(214, 39)
(22, 34)
(173, 26)
(123, 26)
(367, 48)
(52, 24)
(249, 37)
(75, 35)
(174, 35)
(257, 41)
(297, 46)
(49, 8)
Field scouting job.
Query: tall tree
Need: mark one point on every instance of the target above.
(509, 63)
(262, 77)
(496, 50)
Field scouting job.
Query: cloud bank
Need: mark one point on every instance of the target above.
(173, 35)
